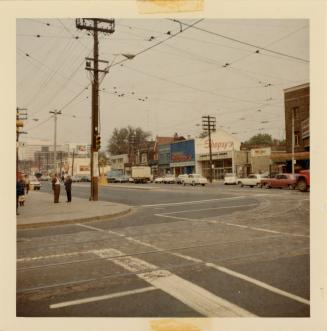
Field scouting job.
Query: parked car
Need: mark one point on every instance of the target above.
(34, 183)
(231, 178)
(280, 181)
(180, 178)
(122, 179)
(158, 180)
(195, 179)
(252, 180)
(169, 179)
(303, 180)
(76, 179)
(85, 178)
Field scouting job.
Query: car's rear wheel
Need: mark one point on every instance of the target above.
(291, 187)
(267, 185)
(242, 184)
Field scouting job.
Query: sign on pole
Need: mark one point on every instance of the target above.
(95, 164)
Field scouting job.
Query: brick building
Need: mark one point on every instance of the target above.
(297, 105)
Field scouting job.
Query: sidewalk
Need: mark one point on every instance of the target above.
(40, 210)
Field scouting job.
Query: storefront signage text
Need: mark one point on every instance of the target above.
(219, 145)
(181, 157)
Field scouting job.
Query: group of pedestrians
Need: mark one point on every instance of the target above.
(22, 188)
(56, 187)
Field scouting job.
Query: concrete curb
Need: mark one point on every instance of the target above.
(70, 221)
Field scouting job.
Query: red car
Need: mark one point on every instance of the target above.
(280, 181)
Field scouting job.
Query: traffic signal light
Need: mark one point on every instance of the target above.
(98, 142)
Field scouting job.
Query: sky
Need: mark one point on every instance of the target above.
(217, 68)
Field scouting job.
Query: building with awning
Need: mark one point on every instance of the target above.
(297, 130)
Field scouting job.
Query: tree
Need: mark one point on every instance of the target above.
(260, 139)
(123, 139)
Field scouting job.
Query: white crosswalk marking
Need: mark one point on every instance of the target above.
(190, 294)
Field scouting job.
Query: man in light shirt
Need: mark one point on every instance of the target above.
(56, 187)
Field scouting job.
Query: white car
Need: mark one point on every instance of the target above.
(169, 179)
(34, 183)
(180, 179)
(195, 179)
(158, 180)
(251, 180)
(231, 178)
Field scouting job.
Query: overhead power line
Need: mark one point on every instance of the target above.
(241, 42)
(160, 42)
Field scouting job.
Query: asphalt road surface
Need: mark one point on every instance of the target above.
(213, 251)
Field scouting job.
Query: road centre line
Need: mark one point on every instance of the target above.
(192, 202)
(189, 293)
(222, 269)
(202, 209)
(101, 297)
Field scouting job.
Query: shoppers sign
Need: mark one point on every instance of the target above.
(182, 151)
(221, 141)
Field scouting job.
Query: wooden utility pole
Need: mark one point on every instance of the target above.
(95, 25)
(209, 124)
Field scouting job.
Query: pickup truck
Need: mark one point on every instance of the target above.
(303, 180)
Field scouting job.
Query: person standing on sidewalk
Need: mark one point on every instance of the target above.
(68, 188)
(56, 188)
(19, 192)
(22, 186)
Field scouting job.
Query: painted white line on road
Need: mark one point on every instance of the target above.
(203, 209)
(53, 256)
(190, 294)
(226, 270)
(259, 283)
(192, 202)
(101, 297)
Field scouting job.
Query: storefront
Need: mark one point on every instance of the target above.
(163, 159)
(226, 155)
(182, 157)
(282, 162)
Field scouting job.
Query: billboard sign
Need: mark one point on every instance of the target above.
(182, 151)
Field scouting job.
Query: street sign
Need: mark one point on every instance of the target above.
(95, 164)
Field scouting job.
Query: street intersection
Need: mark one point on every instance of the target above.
(212, 251)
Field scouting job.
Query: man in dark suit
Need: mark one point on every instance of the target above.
(56, 187)
(68, 187)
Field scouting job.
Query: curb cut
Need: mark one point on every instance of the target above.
(82, 220)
